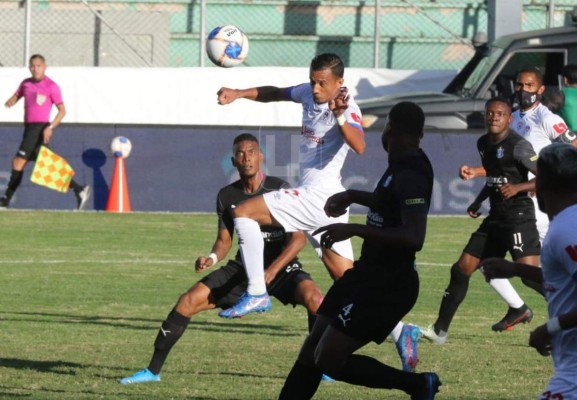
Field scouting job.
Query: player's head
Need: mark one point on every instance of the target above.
(498, 116)
(406, 122)
(326, 77)
(246, 155)
(556, 176)
(37, 66)
(529, 87)
(569, 73)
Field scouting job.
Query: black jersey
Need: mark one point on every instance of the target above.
(508, 161)
(275, 238)
(407, 183)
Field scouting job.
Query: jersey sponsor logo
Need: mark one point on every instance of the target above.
(534, 158)
(294, 192)
(500, 152)
(410, 202)
(310, 135)
(345, 313)
(374, 219)
(293, 267)
(273, 235)
(496, 181)
(560, 127)
(572, 251)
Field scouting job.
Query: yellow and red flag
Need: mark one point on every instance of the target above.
(52, 171)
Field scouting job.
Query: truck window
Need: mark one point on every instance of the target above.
(549, 61)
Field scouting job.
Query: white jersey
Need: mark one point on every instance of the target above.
(538, 125)
(322, 149)
(559, 261)
(541, 127)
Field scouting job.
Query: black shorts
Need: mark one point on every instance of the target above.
(368, 307)
(31, 141)
(229, 282)
(496, 238)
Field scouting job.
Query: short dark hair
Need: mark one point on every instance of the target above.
(535, 71)
(243, 137)
(557, 168)
(407, 117)
(35, 56)
(569, 72)
(499, 99)
(330, 61)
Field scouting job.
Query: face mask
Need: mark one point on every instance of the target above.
(527, 99)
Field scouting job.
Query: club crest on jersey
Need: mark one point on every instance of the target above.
(387, 181)
(500, 152)
(40, 99)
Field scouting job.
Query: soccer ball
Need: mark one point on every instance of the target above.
(120, 146)
(227, 46)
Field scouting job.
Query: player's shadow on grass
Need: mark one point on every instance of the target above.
(153, 324)
(55, 367)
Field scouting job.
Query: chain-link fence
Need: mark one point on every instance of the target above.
(411, 34)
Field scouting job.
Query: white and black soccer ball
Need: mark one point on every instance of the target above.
(120, 146)
(227, 46)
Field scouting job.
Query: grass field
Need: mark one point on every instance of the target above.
(82, 296)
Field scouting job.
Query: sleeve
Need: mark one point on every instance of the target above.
(353, 114)
(56, 94)
(413, 190)
(20, 91)
(525, 155)
(296, 93)
(225, 220)
(554, 125)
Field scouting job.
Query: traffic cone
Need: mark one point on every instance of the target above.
(118, 199)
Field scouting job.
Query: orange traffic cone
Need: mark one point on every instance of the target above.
(118, 200)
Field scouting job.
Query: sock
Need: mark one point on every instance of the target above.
(301, 383)
(13, 183)
(76, 186)
(507, 292)
(366, 371)
(454, 295)
(251, 247)
(396, 332)
(169, 333)
(535, 286)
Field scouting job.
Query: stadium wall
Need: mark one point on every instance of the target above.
(182, 139)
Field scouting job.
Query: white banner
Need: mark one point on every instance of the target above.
(187, 96)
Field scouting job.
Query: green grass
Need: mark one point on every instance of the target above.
(82, 296)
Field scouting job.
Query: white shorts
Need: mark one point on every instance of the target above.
(302, 209)
(561, 387)
(542, 220)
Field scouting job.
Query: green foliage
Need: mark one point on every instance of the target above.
(82, 296)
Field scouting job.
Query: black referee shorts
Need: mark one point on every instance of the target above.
(229, 282)
(368, 306)
(31, 141)
(496, 238)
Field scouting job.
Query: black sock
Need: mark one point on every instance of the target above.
(534, 285)
(366, 371)
(301, 383)
(169, 333)
(13, 183)
(76, 186)
(454, 295)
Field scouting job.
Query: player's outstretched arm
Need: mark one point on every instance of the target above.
(296, 243)
(220, 249)
(494, 267)
(467, 172)
(263, 94)
(11, 101)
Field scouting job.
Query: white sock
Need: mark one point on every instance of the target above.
(504, 288)
(251, 248)
(396, 332)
